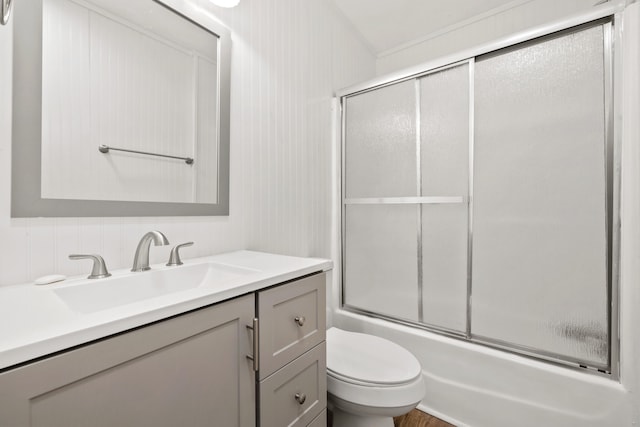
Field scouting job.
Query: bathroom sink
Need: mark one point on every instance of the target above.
(96, 295)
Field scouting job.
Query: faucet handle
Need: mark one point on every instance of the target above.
(174, 257)
(99, 269)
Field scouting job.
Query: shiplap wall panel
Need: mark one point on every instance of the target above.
(289, 57)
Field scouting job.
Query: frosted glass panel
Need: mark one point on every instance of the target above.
(381, 259)
(539, 229)
(444, 132)
(381, 142)
(444, 265)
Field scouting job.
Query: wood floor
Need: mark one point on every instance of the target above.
(414, 418)
(417, 418)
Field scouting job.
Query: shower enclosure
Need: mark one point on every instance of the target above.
(480, 199)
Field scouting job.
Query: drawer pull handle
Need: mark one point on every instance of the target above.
(255, 358)
(301, 398)
(300, 320)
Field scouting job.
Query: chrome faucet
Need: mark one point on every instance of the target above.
(141, 259)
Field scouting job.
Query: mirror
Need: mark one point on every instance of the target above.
(120, 108)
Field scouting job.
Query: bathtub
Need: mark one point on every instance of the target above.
(472, 385)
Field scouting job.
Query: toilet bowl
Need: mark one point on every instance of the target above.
(370, 379)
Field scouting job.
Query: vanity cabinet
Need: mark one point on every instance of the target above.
(190, 370)
(292, 376)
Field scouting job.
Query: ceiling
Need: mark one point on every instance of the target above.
(386, 24)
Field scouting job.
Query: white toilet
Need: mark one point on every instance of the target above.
(370, 379)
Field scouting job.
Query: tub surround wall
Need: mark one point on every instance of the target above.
(288, 59)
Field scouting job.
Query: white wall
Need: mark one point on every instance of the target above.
(515, 16)
(288, 58)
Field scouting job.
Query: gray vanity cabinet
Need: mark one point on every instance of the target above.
(292, 376)
(190, 370)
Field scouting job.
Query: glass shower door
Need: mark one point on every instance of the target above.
(479, 199)
(406, 200)
(540, 279)
(381, 251)
(444, 159)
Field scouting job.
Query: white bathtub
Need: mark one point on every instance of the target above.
(472, 385)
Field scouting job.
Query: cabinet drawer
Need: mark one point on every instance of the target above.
(296, 394)
(320, 421)
(292, 321)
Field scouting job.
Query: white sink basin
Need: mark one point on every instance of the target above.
(91, 296)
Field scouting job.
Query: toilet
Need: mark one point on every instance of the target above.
(370, 379)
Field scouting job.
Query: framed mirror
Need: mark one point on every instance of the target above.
(120, 108)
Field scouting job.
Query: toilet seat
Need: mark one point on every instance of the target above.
(371, 371)
(369, 360)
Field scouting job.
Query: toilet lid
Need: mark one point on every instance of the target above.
(365, 358)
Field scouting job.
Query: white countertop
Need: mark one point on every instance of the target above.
(35, 321)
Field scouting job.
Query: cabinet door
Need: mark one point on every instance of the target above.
(292, 321)
(187, 371)
(540, 240)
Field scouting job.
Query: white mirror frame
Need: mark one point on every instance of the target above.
(26, 200)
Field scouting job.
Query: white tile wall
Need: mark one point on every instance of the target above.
(289, 56)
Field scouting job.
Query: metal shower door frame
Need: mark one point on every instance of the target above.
(612, 68)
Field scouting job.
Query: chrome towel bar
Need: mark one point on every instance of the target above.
(105, 149)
